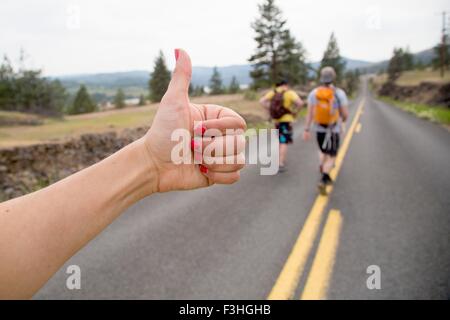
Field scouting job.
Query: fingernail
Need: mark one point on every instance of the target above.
(203, 169)
(177, 54)
(198, 157)
(200, 130)
(196, 145)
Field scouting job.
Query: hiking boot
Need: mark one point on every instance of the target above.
(327, 179)
(322, 188)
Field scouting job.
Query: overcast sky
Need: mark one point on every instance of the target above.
(82, 36)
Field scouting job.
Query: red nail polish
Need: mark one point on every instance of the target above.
(200, 130)
(177, 54)
(203, 169)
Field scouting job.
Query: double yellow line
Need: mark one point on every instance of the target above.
(287, 282)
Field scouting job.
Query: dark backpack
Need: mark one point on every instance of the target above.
(277, 109)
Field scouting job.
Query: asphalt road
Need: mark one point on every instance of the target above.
(232, 242)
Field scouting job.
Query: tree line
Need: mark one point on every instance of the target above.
(402, 60)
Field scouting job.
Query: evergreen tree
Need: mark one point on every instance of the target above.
(396, 65)
(437, 60)
(215, 83)
(278, 54)
(159, 79)
(293, 60)
(191, 89)
(141, 100)
(198, 91)
(27, 91)
(119, 99)
(234, 86)
(332, 58)
(408, 60)
(82, 102)
(351, 81)
(6, 85)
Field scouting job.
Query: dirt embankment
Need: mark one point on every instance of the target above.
(427, 92)
(29, 168)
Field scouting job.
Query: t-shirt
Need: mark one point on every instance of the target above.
(289, 98)
(343, 101)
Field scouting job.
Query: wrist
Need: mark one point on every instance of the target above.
(147, 166)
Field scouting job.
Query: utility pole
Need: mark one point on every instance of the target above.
(443, 54)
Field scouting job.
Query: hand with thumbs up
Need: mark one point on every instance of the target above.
(57, 221)
(177, 112)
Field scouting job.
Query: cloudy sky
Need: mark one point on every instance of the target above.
(82, 36)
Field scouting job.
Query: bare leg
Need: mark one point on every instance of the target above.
(328, 164)
(283, 154)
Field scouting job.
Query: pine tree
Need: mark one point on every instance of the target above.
(215, 83)
(408, 60)
(278, 54)
(82, 103)
(159, 79)
(332, 58)
(119, 99)
(234, 86)
(198, 91)
(293, 60)
(141, 100)
(396, 65)
(437, 60)
(351, 81)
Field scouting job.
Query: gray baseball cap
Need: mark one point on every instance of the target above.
(327, 75)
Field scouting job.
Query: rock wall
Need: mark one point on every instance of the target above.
(29, 168)
(427, 93)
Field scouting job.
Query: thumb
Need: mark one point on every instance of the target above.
(182, 74)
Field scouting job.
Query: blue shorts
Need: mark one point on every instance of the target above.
(285, 132)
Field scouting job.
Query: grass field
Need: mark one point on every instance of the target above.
(73, 126)
(439, 115)
(415, 77)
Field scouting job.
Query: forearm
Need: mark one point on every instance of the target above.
(40, 231)
(309, 118)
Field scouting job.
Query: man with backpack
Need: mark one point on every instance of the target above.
(283, 105)
(327, 112)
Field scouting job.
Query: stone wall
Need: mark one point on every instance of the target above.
(29, 168)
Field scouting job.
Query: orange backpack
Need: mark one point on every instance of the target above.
(326, 110)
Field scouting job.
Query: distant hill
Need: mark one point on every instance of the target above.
(425, 56)
(103, 85)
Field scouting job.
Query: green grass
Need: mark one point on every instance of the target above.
(436, 114)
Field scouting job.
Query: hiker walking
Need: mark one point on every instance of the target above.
(327, 114)
(283, 105)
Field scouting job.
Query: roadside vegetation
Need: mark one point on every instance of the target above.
(437, 114)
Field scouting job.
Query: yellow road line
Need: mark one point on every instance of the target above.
(289, 277)
(319, 278)
(358, 128)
